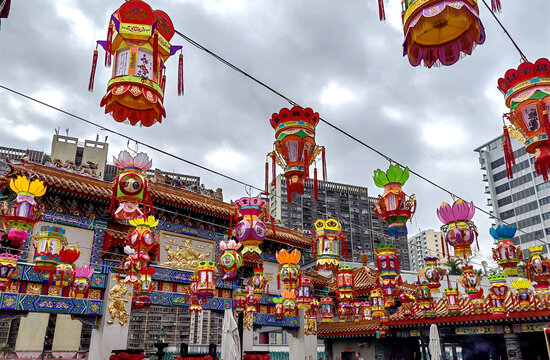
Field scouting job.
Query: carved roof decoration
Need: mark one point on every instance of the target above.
(365, 280)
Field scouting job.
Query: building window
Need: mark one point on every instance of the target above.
(504, 201)
(507, 214)
(501, 188)
(497, 163)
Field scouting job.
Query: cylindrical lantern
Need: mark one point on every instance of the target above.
(346, 286)
(251, 231)
(49, 243)
(388, 265)
(394, 206)
(506, 254)
(424, 300)
(239, 302)
(257, 283)
(523, 295)
(8, 269)
(407, 301)
(470, 281)
(206, 275)
(289, 302)
(459, 229)
(452, 301)
(326, 310)
(295, 147)
(64, 272)
(81, 283)
(327, 248)
(288, 267)
(194, 300)
(344, 311)
(356, 309)
(230, 260)
(432, 274)
(366, 311)
(377, 300)
(305, 292)
(143, 289)
(139, 39)
(23, 213)
(499, 290)
(537, 268)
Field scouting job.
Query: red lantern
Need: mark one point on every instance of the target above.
(366, 311)
(344, 311)
(142, 239)
(327, 312)
(64, 273)
(499, 290)
(279, 308)
(257, 283)
(388, 265)
(132, 265)
(295, 147)
(424, 300)
(206, 275)
(305, 293)
(143, 289)
(346, 286)
(239, 302)
(139, 40)
(538, 269)
(8, 269)
(194, 301)
(407, 301)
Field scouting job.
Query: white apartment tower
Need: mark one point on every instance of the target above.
(425, 244)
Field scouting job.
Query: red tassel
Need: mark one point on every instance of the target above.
(495, 6)
(306, 164)
(163, 83)
(273, 169)
(180, 75)
(381, 12)
(272, 225)
(324, 162)
(230, 225)
(278, 281)
(108, 46)
(315, 185)
(156, 54)
(92, 74)
(267, 178)
(508, 153)
(448, 252)
(443, 245)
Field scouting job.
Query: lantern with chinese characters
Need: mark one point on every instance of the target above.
(289, 302)
(143, 289)
(524, 295)
(326, 310)
(305, 292)
(346, 291)
(327, 248)
(139, 39)
(142, 239)
(132, 265)
(470, 281)
(8, 269)
(194, 300)
(130, 188)
(452, 301)
(251, 231)
(206, 275)
(394, 206)
(506, 254)
(239, 302)
(64, 272)
(22, 213)
(377, 301)
(499, 290)
(49, 244)
(258, 283)
(288, 267)
(440, 31)
(344, 311)
(424, 300)
(295, 149)
(366, 311)
(432, 274)
(81, 284)
(527, 94)
(230, 260)
(388, 265)
(459, 229)
(407, 299)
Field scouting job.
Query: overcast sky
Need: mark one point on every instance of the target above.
(333, 56)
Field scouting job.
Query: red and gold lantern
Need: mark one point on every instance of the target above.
(499, 290)
(139, 39)
(524, 294)
(329, 237)
(49, 244)
(459, 229)
(452, 301)
(407, 300)
(289, 302)
(327, 309)
(506, 253)
(295, 149)
(538, 270)
(356, 308)
(81, 284)
(305, 292)
(194, 300)
(477, 305)
(346, 286)
(424, 300)
(230, 260)
(132, 265)
(206, 275)
(8, 269)
(289, 270)
(251, 231)
(366, 311)
(64, 272)
(143, 289)
(388, 266)
(143, 239)
(470, 281)
(257, 283)
(239, 302)
(432, 274)
(377, 300)
(279, 308)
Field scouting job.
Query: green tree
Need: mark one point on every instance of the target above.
(454, 266)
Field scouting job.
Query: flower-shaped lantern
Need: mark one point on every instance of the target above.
(388, 265)
(295, 149)
(506, 254)
(366, 311)
(305, 292)
(23, 213)
(329, 237)
(407, 300)
(130, 188)
(81, 284)
(132, 265)
(424, 299)
(8, 269)
(288, 268)
(432, 274)
(377, 300)
(143, 289)
(251, 231)
(49, 244)
(64, 272)
(499, 290)
(289, 302)
(139, 39)
(459, 229)
(258, 283)
(230, 260)
(527, 94)
(327, 309)
(394, 206)
(470, 281)
(206, 275)
(346, 285)
(239, 302)
(523, 295)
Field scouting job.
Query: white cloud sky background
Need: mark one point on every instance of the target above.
(333, 56)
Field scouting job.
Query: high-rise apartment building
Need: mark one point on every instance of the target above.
(349, 204)
(426, 243)
(524, 200)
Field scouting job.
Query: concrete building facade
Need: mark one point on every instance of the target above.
(68, 148)
(426, 243)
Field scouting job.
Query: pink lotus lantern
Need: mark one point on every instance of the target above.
(81, 283)
(460, 231)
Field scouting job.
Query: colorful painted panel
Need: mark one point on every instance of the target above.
(50, 304)
(271, 320)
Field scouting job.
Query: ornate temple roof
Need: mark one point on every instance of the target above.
(365, 279)
(344, 329)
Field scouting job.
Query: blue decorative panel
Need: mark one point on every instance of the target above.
(49, 304)
(178, 300)
(269, 257)
(271, 320)
(97, 243)
(99, 281)
(70, 220)
(94, 307)
(9, 301)
(53, 305)
(191, 231)
(79, 306)
(26, 302)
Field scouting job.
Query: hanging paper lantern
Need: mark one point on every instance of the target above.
(407, 299)
(258, 283)
(527, 94)
(366, 311)
(239, 302)
(327, 247)
(194, 300)
(289, 302)
(538, 270)
(132, 265)
(49, 243)
(499, 290)
(310, 318)
(142, 239)
(346, 286)
(327, 312)
(432, 274)
(377, 300)
(470, 281)
(252, 300)
(305, 292)
(477, 305)
(251, 231)
(230, 260)
(394, 206)
(143, 289)
(81, 283)
(344, 311)
(523, 295)
(288, 267)
(279, 308)
(64, 272)
(453, 304)
(295, 148)
(356, 308)
(459, 229)
(388, 265)
(506, 254)
(8, 269)
(206, 274)
(424, 300)
(313, 309)
(130, 187)
(139, 39)
(22, 213)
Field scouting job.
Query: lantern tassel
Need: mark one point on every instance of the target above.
(267, 177)
(180, 75)
(272, 225)
(155, 54)
(324, 163)
(278, 282)
(508, 153)
(381, 12)
(442, 245)
(108, 46)
(273, 169)
(92, 74)
(496, 6)
(315, 185)
(449, 282)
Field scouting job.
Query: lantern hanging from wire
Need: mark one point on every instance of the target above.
(329, 237)
(143, 289)
(305, 292)
(64, 272)
(194, 300)
(206, 275)
(258, 283)
(459, 229)
(289, 269)
(295, 149)
(139, 39)
(49, 244)
(81, 284)
(394, 206)
(523, 292)
(470, 281)
(366, 311)
(130, 188)
(251, 231)
(527, 95)
(239, 302)
(389, 268)
(8, 269)
(230, 260)
(346, 285)
(506, 254)
(424, 300)
(499, 290)
(22, 213)
(327, 309)
(432, 274)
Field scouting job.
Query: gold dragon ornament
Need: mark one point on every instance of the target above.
(117, 304)
(185, 258)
